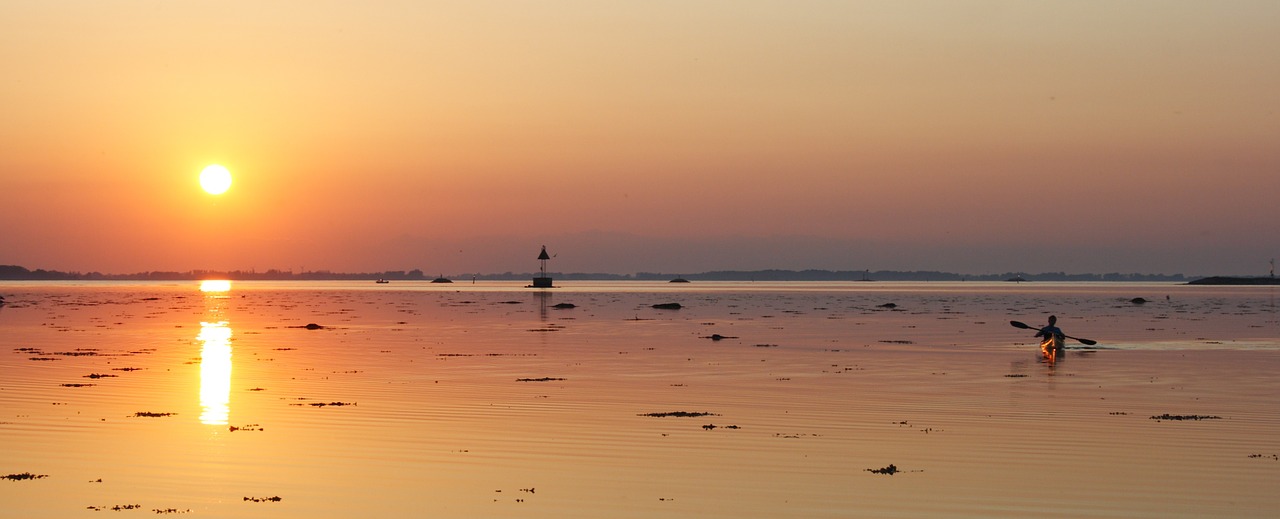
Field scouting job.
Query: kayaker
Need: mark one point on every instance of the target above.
(1051, 329)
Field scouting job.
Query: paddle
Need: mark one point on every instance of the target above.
(1025, 326)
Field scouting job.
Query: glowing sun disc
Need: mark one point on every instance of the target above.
(215, 179)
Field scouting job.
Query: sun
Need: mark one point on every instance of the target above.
(215, 179)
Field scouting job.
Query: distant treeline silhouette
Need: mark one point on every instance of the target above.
(14, 272)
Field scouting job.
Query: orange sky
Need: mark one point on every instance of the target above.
(456, 137)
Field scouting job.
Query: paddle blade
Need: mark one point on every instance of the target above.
(1086, 342)
(1018, 324)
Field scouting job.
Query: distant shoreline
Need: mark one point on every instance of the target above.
(1232, 280)
(18, 273)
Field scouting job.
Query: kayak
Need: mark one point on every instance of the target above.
(1052, 345)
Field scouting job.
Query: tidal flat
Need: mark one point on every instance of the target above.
(607, 399)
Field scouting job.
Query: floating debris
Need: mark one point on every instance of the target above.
(1268, 456)
(77, 385)
(326, 404)
(1180, 417)
(668, 306)
(171, 511)
(273, 499)
(149, 414)
(678, 414)
(1138, 301)
(100, 375)
(890, 470)
(24, 475)
(1015, 375)
(250, 427)
(310, 326)
(717, 337)
(890, 306)
(564, 306)
(116, 508)
(543, 379)
(485, 354)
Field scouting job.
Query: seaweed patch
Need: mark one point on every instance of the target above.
(24, 475)
(1181, 417)
(678, 414)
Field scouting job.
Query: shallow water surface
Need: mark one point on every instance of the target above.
(488, 400)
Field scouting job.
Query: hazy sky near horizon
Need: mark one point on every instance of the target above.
(660, 136)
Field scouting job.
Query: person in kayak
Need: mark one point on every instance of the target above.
(1051, 330)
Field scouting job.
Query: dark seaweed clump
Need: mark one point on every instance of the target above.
(1180, 417)
(116, 508)
(678, 414)
(149, 414)
(890, 470)
(24, 475)
(274, 499)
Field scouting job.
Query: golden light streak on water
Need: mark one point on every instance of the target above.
(215, 285)
(215, 372)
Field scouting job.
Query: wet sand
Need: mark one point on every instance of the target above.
(751, 400)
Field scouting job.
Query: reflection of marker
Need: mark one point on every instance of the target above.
(215, 373)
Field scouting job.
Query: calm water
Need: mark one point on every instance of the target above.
(488, 400)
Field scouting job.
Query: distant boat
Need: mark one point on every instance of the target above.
(442, 279)
(381, 281)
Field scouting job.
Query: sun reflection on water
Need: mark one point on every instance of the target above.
(215, 355)
(215, 372)
(215, 285)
